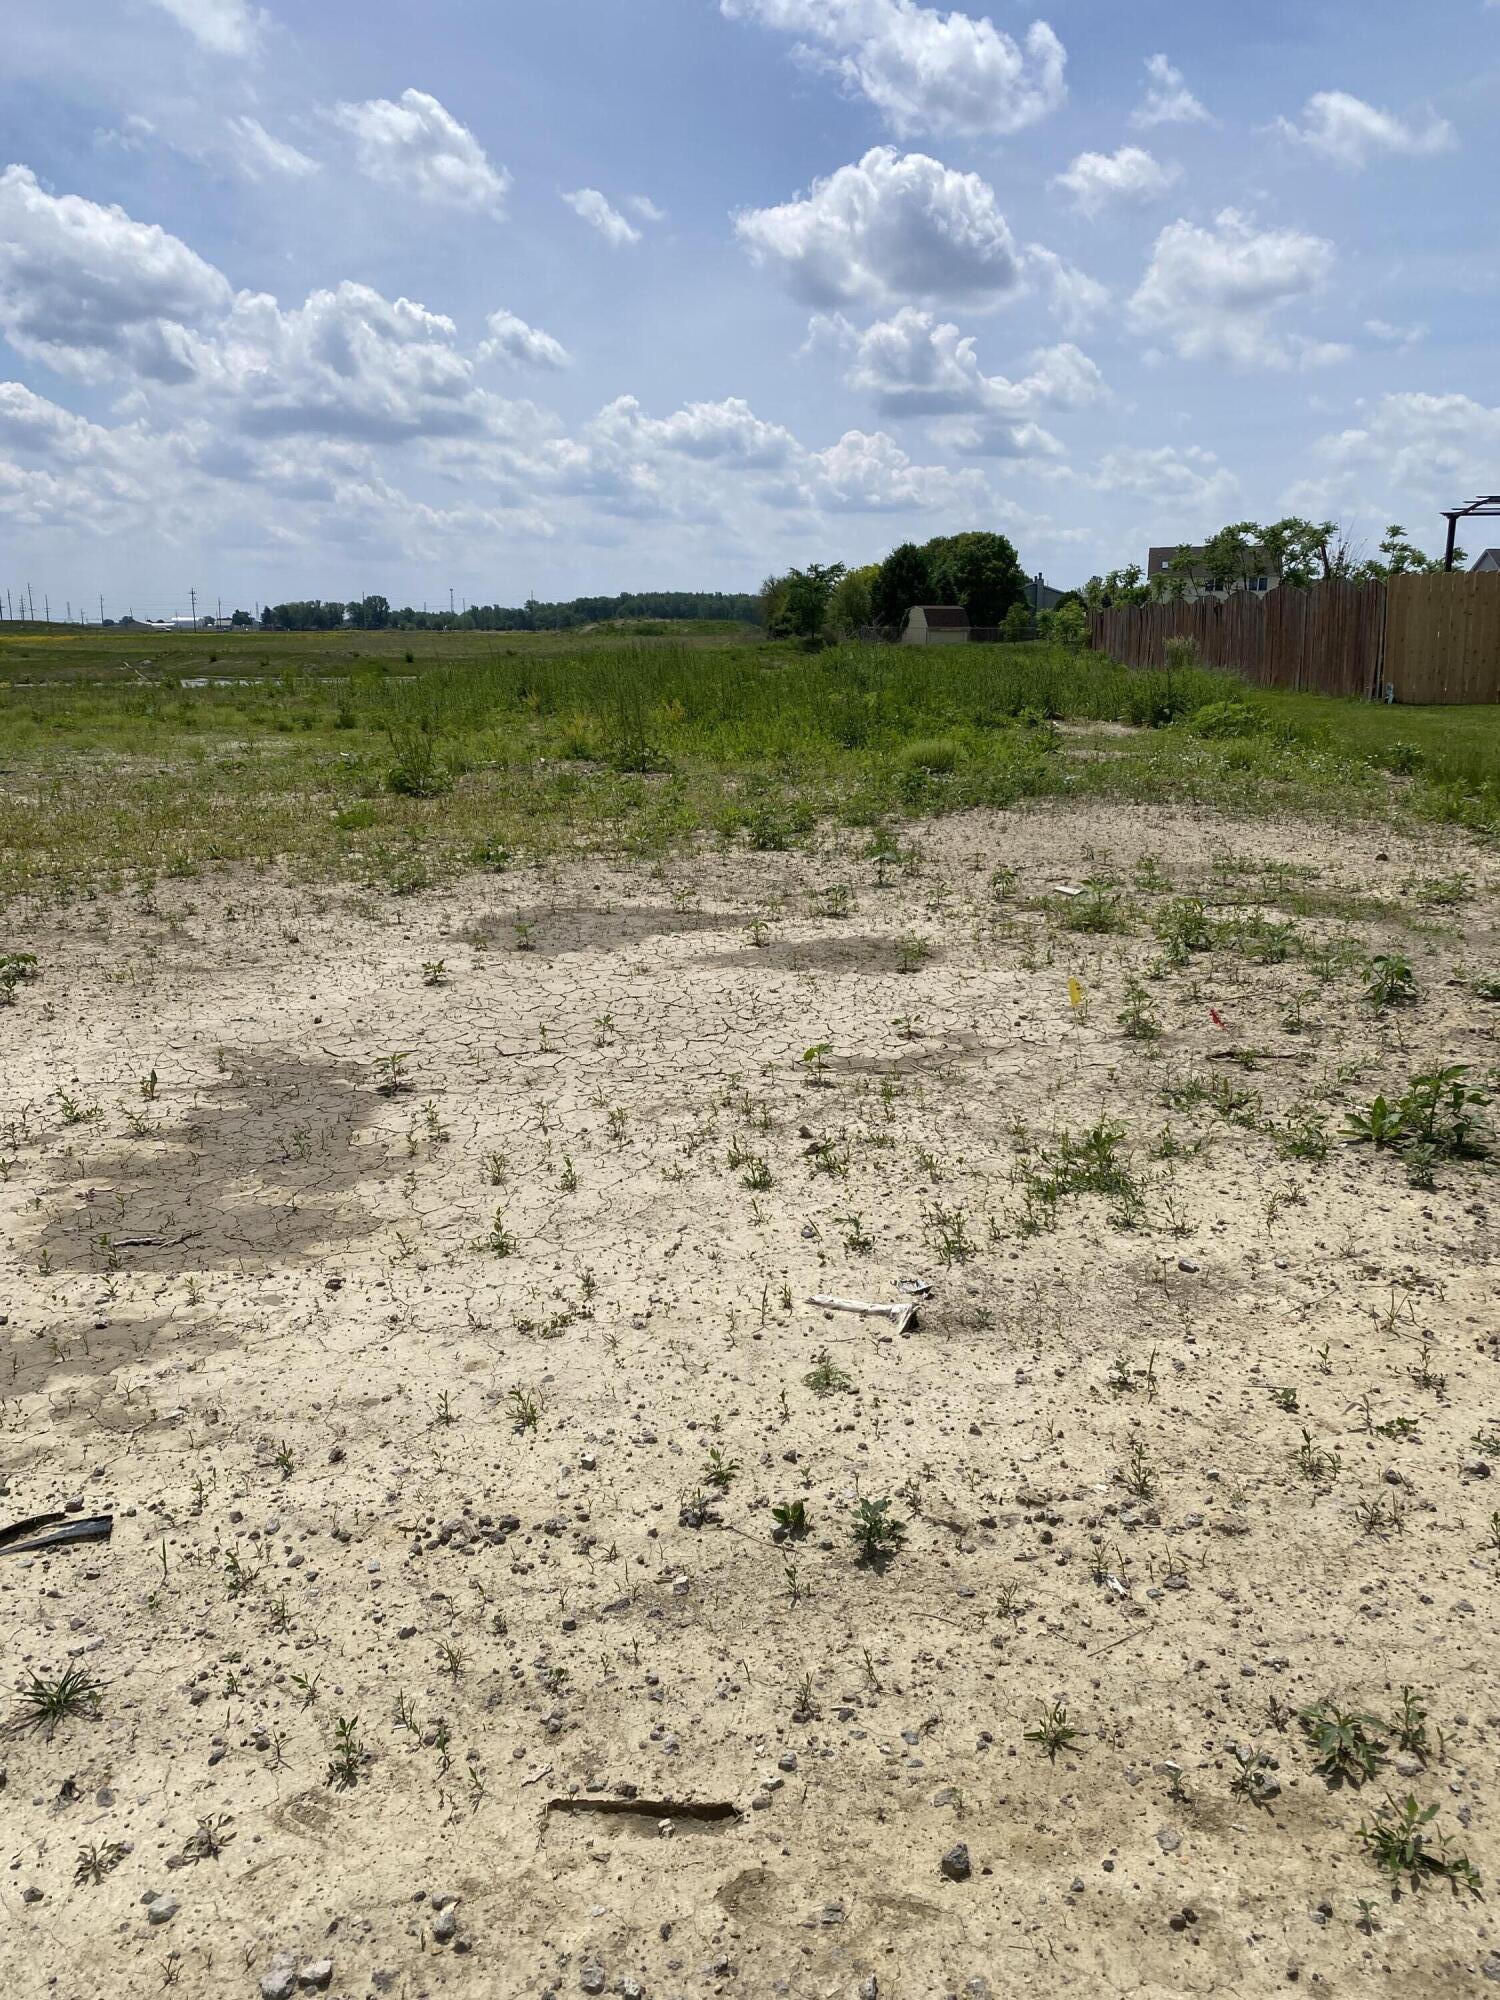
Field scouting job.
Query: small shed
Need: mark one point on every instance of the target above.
(936, 625)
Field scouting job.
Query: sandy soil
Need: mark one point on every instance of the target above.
(258, 1315)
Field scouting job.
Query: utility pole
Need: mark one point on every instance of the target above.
(450, 600)
(32, 602)
(46, 608)
(193, 600)
(101, 607)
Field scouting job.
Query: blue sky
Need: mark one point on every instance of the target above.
(615, 294)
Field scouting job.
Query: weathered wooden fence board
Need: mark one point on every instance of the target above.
(1429, 638)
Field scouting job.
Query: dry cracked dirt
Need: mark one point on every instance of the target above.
(422, 1286)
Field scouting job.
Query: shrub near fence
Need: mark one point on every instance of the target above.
(1424, 638)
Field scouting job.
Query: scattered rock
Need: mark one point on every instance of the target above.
(955, 1863)
(280, 1983)
(591, 1977)
(162, 1910)
(317, 1975)
(445, 1925)
(1168, 1839)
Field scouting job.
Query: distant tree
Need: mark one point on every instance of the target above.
(905, 579)
(1016, 624)
(370, 614)
(241, 618)
(1121, 586)
(1046, 623)
(979, 570)
(1401, 558)
(1070, 625)
(773, 600)
(851, 608)
(803, 613)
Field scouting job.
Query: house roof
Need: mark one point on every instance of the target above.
(1488, 559)
(944, 617)
(1158, 559)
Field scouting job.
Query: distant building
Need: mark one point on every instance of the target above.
(1159, 562)
(936, 625)
(1041, 596)
(1487, 563)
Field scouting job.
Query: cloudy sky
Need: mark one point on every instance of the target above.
(608, 294)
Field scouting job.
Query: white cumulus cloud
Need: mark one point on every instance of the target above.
(914, 364)
(600, 214)
(1168, 101)
(1351, 133)
(892, 228)
(419, 146)
(88, 290)
(523, 346)
(225, 27)
(1095, 180)
(925, 70)
(1213, 293)
(259, 153)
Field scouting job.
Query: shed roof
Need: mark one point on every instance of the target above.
(1488, 559)
(944, 617)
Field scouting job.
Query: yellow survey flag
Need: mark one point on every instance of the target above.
(1075, 993)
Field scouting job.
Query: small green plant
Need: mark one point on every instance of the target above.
(500, 1242)
(525, 1408)
(1392, 981)
(719, 1471)
(1137, 1475)
(1053, 1732)
(912, 952)
(1314, 1462)
(877, 1533)
(947, 1231)
(348, 1754)
(815, 1061)
(757, 1175)
(1398, 1842)
(825, 1377)
(790, 1517)
(44, 1702)
(283, 1460)
(434, 971)
(1284, 1398)
(1347, 1745)
(1137, 1017)
(1411, 1726)
(148, 1087)
(95, 1862)
(390, 1072)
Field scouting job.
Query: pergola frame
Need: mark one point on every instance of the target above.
(1486, 504)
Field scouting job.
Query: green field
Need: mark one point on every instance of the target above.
(399, 758)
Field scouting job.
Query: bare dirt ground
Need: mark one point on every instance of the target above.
(442, 1426)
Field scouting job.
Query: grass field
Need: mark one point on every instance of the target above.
(401, 759)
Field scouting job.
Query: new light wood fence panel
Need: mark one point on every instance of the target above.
(1442, 638)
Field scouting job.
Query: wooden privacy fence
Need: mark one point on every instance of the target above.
(1414, 639)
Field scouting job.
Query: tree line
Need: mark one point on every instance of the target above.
(1296, 552)
(977, 570)
(375, 613)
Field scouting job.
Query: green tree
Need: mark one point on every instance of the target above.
(1016, 624)
(905, 579)
(804, 609)
(1070, 625)
(1399, 557)
(978, 570)
(851, 607)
